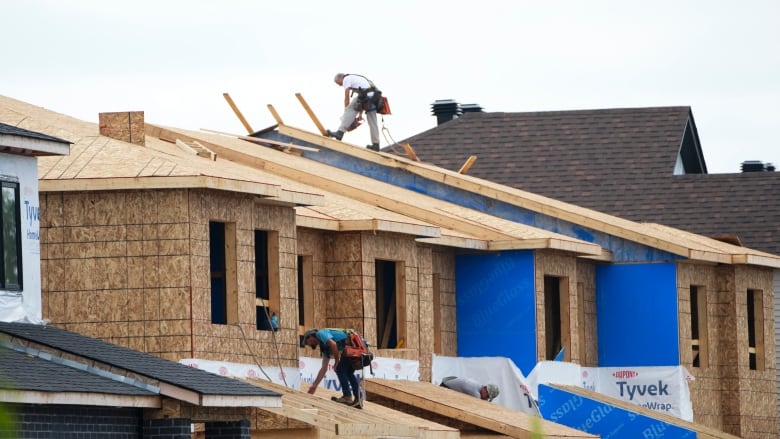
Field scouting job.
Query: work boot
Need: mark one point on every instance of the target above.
(373, 147)
(344, 400)
(336, 134)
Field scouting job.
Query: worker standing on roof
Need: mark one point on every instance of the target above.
(487, 392)
(360, 95)
(331, 343)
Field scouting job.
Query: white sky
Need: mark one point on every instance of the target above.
(173, 59)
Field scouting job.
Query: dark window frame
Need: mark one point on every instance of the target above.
(11, 229)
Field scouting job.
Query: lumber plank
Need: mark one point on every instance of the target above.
(311, 114)
(240, 116)
(410, 151)
(465, 408)
(263, 141)
(275, 115)
(467, 164)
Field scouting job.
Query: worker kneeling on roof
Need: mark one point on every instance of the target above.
(487, 392)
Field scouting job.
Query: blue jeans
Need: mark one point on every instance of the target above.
(347, 378)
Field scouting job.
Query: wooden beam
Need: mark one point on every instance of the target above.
(314, 119)
(275, 115)
(467, 165)
(410, 152)
(468, 409)
(240, 116)
(258, 140)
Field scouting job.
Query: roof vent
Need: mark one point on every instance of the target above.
(445, 110)
(470, 108)
(757, 166)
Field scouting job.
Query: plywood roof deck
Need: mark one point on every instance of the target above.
(705, 250)
(468, 409)
(502, 234)
(337, 419)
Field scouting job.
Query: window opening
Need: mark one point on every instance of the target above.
(699, 332)
(390, 304)
(10, 237)
(755, 322)
(555, 305)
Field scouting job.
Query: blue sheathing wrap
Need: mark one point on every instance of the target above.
(496, 306)
(622, 250)
(636, 307)
(608, 421)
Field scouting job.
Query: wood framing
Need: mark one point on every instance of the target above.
(311, 114)
(238, 114)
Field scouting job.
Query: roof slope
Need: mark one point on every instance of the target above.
(708, 250)
(139, 362)
(25, 372)
(618, 161)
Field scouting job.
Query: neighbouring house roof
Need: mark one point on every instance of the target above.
(21, 371)
(643, 164)
(21, 141)
(193, 385)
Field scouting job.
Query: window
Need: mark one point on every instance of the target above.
(390, 304)
(556, 315)
(755, 326)
(436, 284)
(222, 262)
(10, 237)
(699, 339)
(305, 293)
(266, 280)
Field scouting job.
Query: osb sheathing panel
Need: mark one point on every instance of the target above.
(745, 406)
(443, 264)
(549, 263)
(242, 343)
(587, 330)
(313, 243)
(132, 267)
(127, 126)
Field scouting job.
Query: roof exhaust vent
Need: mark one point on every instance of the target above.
(757, 166)
(445, 110)
(470, 108)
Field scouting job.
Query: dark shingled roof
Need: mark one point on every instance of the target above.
(139, 362)
(15, 131)
(20, 371)
(617, 161)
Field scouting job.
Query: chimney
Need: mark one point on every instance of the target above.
(757, 166)
(127, 126)
(445, 110)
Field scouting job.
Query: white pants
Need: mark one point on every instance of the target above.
(351, 112)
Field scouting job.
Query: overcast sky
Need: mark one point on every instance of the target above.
(174, 60)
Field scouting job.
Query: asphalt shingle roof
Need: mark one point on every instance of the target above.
(617, 161)
(20, 371)
(15, 131)
(139, 362)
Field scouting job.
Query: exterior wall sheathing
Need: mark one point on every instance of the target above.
(726, 394)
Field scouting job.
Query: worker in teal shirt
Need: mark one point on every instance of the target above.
(331, 342)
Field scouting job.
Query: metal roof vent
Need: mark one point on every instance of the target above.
(445, 110)
(757, 166)
(470, 108)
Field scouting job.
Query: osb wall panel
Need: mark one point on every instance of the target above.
(444, 267)
(112, 267)
(127, 126)
(587, 330)
(314, 243)
(758, 402)
(726, 394)
(549, 263)
(243, 343)
(392, 247)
